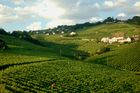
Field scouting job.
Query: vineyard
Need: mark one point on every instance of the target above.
(71, 64)
(68, 76)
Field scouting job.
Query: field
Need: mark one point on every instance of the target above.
(30, 68)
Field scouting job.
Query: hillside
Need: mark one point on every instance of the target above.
(106, 30)
(70, 64)
(88, 42)
(126, 56)
(82, 43)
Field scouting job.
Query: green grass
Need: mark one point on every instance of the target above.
(109, 29)
(37, 69)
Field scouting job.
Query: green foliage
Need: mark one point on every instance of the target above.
(68, 76)
(127, 57)
(134, 20)
(2, 31)
(103, 50)
(66, 28)
(27, 67)
(109, 19)
(78, 55)
(24, 35)
(3, 45)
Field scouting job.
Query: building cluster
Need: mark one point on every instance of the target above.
(62, 33)
(120, 39)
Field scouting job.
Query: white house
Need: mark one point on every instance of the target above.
(127, 40)
(73, 33)
(119, 38)
(105, 39)
(116, 39)
(47, 34)
(53, 33)
(62, 32)
(112, 41)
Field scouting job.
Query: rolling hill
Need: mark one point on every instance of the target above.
(125, 56)
(70, 64)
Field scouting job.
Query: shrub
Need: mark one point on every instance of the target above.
(24, 35)
(3, 45)
(80, 55)
(102, 50)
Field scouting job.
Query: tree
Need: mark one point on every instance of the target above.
(3, 45)
(109, 19)
(103, 50)
(17, 34)
(134, 20)
(2, 31)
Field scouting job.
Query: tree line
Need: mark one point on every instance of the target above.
(70, 28)
(76, 27)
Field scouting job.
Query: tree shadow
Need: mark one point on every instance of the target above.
(3, 67)
(103, 60)
(51, 49)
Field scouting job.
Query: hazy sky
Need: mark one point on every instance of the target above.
(41, 14)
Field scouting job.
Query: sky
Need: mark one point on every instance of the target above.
(43, 14)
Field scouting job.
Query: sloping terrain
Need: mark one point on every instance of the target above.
(56, 67)
(107, 30)
(123, 56)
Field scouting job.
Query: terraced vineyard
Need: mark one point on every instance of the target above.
(53, 68)
(68, 76)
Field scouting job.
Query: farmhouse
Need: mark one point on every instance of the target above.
(47, 34)
(53, 33)
(62, 32)
(127, 40)
(116, 40)
(73, 33)
(105, 39)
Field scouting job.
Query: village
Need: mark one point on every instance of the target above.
(120, 39)
(109, 40)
